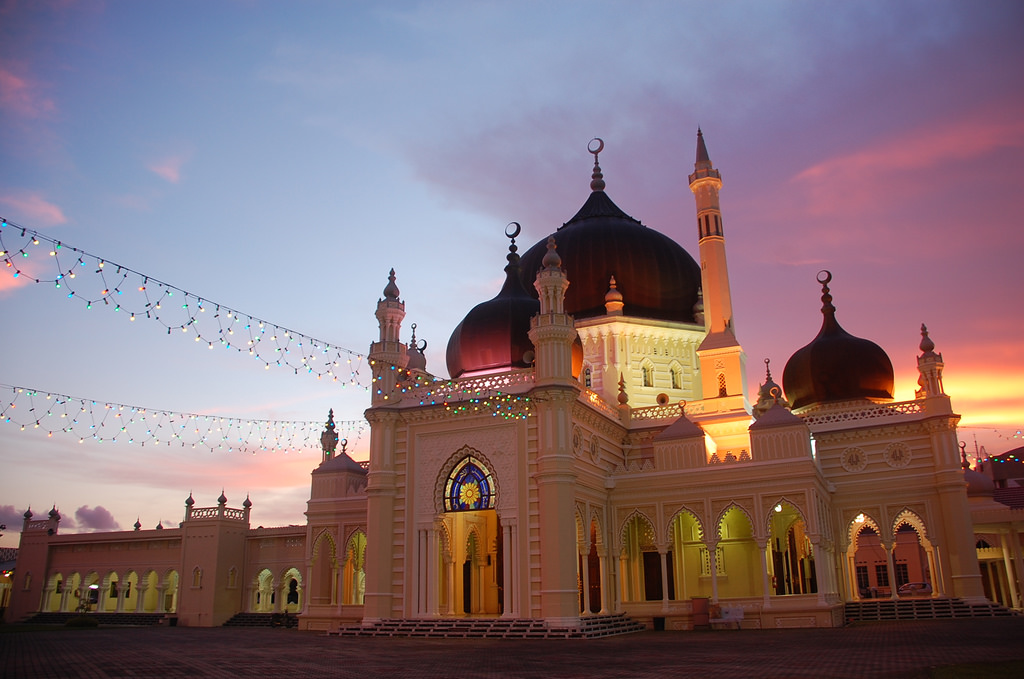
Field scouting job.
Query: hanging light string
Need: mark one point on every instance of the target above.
(137, 295)
(106, 422)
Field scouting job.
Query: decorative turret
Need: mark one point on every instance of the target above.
(223, 499)
(329, 437)
(929, 365)
(138, 524)
(388, 354)
(552, 331)
(613, 299)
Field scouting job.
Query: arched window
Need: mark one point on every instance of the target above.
(197, 577)
(588, 378)
(677, 378)
(648, 374)
(721, 385)
(470, 487)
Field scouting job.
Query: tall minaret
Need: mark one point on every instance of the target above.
(722, 363)
(706, 182)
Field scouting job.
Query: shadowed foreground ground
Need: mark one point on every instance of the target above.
(904, 649)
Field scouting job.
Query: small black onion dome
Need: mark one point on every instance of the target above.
(222, 499)
(657, 277)
(247, 503)
(340, 462)
(978, 484)
(836, 366)
(189, 501)
(494, 334)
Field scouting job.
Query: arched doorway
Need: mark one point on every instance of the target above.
(687, 538)
(263, 592)
(469, 504)
(589, 570)
(867, 560)
(354, 578)
(737, 562)
(913, 557)
(641, 571)
(790, 554)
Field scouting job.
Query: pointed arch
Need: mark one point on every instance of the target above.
(318, 541)
(782, 506)
(474, 468)
(733, 506)
(911, 518)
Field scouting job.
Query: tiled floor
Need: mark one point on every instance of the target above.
(892, 649)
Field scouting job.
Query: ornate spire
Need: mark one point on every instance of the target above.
(329, 437)
(595, 146)
(222, 500)
(551, 258)
(927, 346)
(391, 290)
(929, 368)
(138, 524)
(613, 299)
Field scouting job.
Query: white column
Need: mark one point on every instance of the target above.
(584, 561)
(161, 606)
(889, 549)
(508, 597)
(451, 586)
(1018, 562)
(605, 579)
(713, 562)
(433, 581)
(765, 582)
(624, 579)
(664, 579)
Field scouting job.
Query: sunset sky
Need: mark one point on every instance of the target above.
(279, 158)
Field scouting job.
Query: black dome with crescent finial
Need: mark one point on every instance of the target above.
(494, 335)
(836, 366)
(656, 276)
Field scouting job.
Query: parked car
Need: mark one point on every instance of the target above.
(915, 589)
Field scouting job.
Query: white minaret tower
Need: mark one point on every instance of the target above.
(722, 362)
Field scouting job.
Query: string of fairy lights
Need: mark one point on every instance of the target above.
(107, 422)
(96, 281)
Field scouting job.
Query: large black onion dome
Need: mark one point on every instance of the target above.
(494, 334)
(836, 366)
(656, 276)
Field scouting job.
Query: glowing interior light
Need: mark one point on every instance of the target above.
(778, 508)
(860, 518)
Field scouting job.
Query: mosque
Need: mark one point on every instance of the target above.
(593, 454)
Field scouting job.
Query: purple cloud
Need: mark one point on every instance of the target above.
(95, 519)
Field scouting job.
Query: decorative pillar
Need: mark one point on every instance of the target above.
(663, 553)
(508, 593)
(766, 584)
(1010, 580)
(713, 563)
(606, 581)
(890, 564)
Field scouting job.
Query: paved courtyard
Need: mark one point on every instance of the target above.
(904, 649)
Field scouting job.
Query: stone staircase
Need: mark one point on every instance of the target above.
(262, 620)
(122, 619)
(921, 609)
(590, 627)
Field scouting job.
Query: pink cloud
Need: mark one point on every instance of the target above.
(169, 168)
(22, 97)
(31, 207)
(889, 167)
(95, 519)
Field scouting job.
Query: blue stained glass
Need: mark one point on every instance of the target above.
(469, 488)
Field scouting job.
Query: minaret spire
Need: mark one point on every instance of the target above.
(723, 365)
